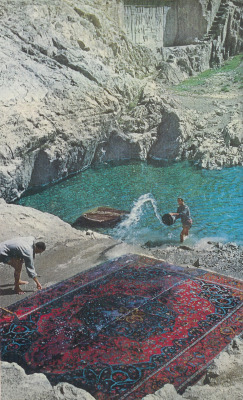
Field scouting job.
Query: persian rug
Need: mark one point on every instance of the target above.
(123, 329)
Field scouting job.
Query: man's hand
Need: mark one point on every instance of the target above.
(38, 285)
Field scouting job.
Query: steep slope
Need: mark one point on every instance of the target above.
(75, 90)
(58, 96)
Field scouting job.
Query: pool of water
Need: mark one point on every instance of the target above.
(148, 191)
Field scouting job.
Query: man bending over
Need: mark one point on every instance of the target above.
(21, 250)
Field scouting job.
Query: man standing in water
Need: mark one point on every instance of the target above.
(21, 250)
(183, 213)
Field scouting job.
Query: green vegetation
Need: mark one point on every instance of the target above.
(133, 103)
(239, 77)
(231, 64)
(91, 17)
(225, 88)
(201, 79)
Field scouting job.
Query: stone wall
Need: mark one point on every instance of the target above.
(145, 22)
(167, 23)
(185, 23)
(226, 32)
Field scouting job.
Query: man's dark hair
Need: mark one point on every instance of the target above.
(40, 245)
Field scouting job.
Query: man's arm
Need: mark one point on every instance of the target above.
(30, 268)
(38, 285)
(29, 265)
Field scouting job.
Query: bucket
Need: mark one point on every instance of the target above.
(168, 219)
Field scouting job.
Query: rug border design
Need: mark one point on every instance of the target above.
(24, 308)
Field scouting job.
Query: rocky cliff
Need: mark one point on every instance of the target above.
(70, 251)
(76, 90)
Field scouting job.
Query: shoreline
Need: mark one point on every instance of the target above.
(221, 258)
(70, 251)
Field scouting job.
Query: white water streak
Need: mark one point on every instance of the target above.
(137, 211)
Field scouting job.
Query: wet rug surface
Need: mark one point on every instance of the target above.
(124, 328)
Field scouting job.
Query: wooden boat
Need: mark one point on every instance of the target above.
(100, 217)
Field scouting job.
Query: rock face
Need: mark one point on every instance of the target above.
(170, 23)
(75, 90)
(61, 89)
(16, 384)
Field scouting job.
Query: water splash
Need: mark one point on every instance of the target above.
(136, 214)
(214, 198)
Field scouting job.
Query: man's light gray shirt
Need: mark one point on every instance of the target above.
(22, 248)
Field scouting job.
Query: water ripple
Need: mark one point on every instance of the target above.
(214, 197)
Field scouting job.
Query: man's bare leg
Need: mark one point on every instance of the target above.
(17, 265)
(184, 232)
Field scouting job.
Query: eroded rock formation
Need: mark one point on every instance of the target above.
(76, 90)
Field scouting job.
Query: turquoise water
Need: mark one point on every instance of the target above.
(214, 198)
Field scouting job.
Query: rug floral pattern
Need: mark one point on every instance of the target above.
(124, 328)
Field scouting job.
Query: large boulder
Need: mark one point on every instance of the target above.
(16, 384)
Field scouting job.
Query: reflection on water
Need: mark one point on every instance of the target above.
(214, 197)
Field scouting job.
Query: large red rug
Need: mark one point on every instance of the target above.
(123, 329)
